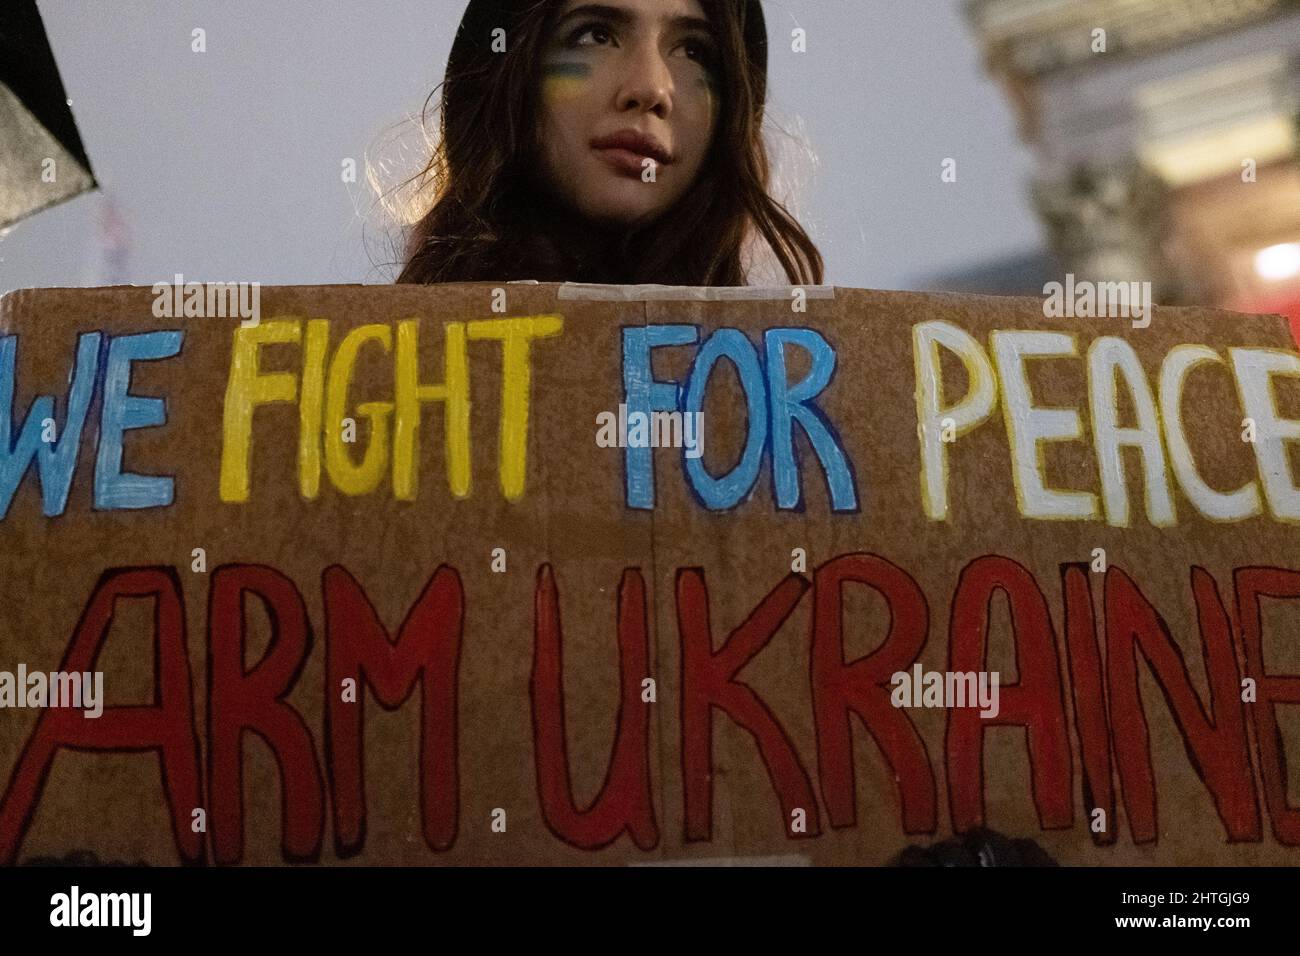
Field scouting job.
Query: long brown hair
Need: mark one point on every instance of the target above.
(492, 219)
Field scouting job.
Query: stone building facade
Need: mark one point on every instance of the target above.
(1167, 139)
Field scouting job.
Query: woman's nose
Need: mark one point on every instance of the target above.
(648, 86)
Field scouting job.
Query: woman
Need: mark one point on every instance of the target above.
(616, 141)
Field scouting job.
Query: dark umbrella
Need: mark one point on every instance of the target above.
(42, 161)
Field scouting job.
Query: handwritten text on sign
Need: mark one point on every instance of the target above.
(915, 454)
(997, 384)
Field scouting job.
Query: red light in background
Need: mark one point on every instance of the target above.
(1288, 307)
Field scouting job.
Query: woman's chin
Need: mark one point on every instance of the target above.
(623, 205)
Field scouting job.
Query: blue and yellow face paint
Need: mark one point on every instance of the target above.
(564, 79)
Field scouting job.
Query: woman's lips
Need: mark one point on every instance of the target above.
(631, 152)
(625, 161)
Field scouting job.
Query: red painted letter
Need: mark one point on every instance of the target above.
(427, 650)
(708, 681)
(1090, 719)
(1271, 690)
(1217, 744)
(1034, 702)
(625, 801)
(862, 688)
(166, 727)
(240, 700)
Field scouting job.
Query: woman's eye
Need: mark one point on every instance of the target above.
(595, 35)
(701, 52)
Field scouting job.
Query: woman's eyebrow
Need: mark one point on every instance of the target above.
(623, 17)
(615, 14)
(691, 23)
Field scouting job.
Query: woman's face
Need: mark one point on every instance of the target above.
(629, 103)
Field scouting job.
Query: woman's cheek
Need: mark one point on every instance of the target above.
(700, 101)
(564, 81)
(699, 116)
(709, 90)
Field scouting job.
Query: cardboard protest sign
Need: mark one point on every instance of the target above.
(399, 575)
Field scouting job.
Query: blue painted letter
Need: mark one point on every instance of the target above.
(56, 460)
(124, 411)
(646, 395)
(796, 404)
(718, 494)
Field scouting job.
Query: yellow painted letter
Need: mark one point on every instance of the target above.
(309, 406)
(516, 373)
(245, 390)
(454, 391)
(349, 478)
